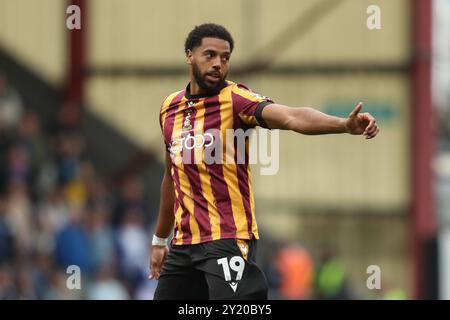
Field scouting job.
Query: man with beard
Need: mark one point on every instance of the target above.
(210, 206)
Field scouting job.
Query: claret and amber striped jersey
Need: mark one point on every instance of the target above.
(213, 199)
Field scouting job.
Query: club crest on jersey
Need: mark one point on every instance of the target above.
(187, 122)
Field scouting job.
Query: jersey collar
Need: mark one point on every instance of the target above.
(188, 95)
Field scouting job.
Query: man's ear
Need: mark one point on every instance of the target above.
(189, 57)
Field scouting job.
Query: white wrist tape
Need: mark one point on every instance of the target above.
(157, 241)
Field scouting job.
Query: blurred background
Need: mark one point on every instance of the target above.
(81, 154)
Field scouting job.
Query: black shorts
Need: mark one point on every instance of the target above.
(220, 269)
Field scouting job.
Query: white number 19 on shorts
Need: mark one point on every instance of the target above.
(236, 264)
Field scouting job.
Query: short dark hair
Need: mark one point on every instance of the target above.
(207, 30)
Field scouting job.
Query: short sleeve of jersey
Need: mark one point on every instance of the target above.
(249, 106)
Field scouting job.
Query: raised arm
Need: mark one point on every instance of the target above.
(310, 121)
(164, 224)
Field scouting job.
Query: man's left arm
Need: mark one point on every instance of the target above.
(310, 121)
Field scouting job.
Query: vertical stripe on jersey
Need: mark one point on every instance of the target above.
(215, 170)
(230, 169)
(168, 111)
(200, 210)
(177, 234)
(189, 225)
(185, 236)
(243, 169)
(182, 214)
(252, 203)
(205, 179)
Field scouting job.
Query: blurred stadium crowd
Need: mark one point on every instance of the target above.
(55, 211)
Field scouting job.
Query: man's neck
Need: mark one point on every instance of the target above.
(195, 88)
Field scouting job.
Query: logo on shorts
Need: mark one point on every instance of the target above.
(233, 286)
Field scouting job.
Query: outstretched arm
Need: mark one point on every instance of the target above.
(311, 121)
(165, 222)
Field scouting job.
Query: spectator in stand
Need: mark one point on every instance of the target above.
(6, 235)
(132, 241)
(19, 216)
(101, 236)
(11, 106)
(331, 282)
(296, 269)
(131, 197)
(7, 288)
(72, 243)
(30, 138)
